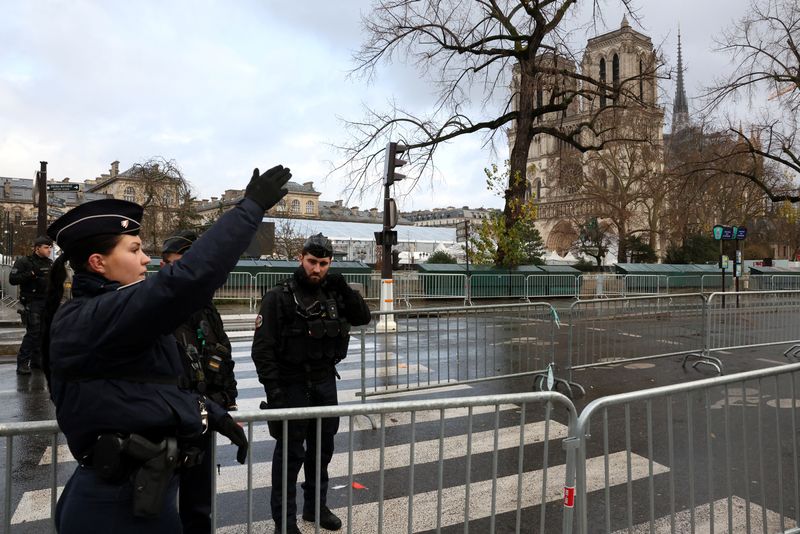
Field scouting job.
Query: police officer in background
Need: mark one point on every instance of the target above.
(112, 361)
(207, 361)
(302, 332)
(31, 273)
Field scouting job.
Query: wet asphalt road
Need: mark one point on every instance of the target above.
(25, 398)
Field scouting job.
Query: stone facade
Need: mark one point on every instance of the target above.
(621, 58)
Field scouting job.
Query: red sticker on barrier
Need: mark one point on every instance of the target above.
(569, 496)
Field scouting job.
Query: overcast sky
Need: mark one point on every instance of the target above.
(223, 86)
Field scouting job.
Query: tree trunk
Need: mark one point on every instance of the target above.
(518, 163)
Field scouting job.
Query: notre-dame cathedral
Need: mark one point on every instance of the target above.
(570, 187)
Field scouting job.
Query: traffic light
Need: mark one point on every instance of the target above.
(393, 150)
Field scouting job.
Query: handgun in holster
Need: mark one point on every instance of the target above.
(151, 480)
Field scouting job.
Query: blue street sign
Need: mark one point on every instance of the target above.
(741, 233)
(727, 232)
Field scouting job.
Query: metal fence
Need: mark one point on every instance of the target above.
(752, 318)
(728, 461)
(610, 330)
(466, 461)
(434, 347)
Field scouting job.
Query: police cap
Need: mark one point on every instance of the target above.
(318, 245)
(179, 242)
(106, 216)
(43, 240)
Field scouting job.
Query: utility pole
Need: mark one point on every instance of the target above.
(388, 237)
(41, 186)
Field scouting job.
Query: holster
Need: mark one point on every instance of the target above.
(150, 466)
(151, 480)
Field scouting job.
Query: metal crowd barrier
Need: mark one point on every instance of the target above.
(466, 461)
(435, 347)
(550, 285)
(751, 319)
(592, 286)
(728, 461)
(635, 328)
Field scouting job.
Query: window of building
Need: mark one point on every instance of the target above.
(129, 194)
(168, 198)
(295, 206)
(17, 217)
(615, 75)
(282, 206)
(309, 208)
(641, 81)
(603, 81)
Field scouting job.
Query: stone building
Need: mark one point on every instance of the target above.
(302, 201)
(449, 216)
(570, 187)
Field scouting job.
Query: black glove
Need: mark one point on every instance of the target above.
(268, 188)
(336, 282)
(276, 399)
(231, 430)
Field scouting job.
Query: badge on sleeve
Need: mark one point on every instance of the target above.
(259, 320)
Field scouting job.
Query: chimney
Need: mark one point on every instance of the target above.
(308, 185)
(373, 213)
(354, 210)
(7, 189)
(114, 169)
(338, 203)
(214, 199)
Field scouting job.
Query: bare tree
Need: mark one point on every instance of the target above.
(167, 200)
(764, 47)
(707, 176)
(478, 49)
(288, 241)
(622, 183)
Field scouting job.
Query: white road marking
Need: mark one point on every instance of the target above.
(702, 519)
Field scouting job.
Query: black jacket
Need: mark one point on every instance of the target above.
(284, 351)
(111, 345)
(31, 273)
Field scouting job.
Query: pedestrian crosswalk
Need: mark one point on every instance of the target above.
(457, 463)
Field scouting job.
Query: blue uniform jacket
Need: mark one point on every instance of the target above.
(113, 330)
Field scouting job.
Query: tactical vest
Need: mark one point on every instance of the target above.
(207, 361)
(315, 334)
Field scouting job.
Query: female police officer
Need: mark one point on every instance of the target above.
(113, 363)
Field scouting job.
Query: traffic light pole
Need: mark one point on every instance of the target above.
(387, 236)
(41, 185)
(387, 323)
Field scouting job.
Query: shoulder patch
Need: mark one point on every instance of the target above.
(259, 321)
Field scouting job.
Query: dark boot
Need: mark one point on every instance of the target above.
(327, 519)
(24, 368)
(291, 528)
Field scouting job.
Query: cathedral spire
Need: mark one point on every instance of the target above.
(680, 106)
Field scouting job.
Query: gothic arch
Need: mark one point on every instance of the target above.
(561, 237)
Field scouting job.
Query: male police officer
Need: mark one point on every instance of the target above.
(302, 332)
(31, 273)
(206, 352)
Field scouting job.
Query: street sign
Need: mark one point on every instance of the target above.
(461, 231)
(724, 262)
(28, 222)
(727, 233)
(56, 201)
(392, 213)
(63, 187)
(718, 232)
(54, 212)
(741, 233)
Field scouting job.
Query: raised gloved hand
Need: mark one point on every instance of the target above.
(336, 282)
(268, 188)
(231, 430)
